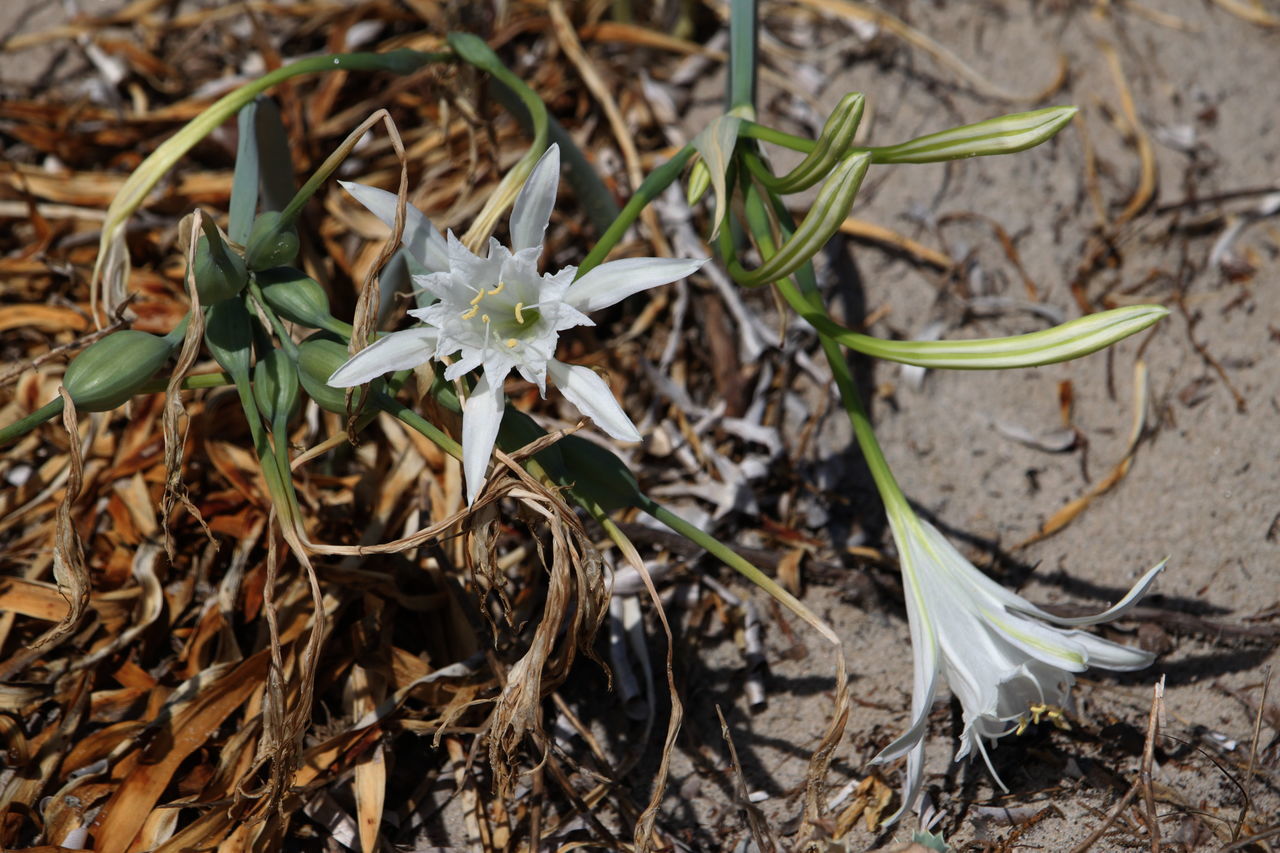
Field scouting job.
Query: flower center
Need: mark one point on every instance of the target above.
(519, 319)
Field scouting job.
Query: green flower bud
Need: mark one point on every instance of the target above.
(219, 274)
(113, 369)
(228, 333)
(275, 386)
(1002, 135)
(272, 242)
(297, 297)
(699, 182)
(318, 357)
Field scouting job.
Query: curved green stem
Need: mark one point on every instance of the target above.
(143, 179)
(22, 426)
(806, 296)
(652, 186)
(412, 419)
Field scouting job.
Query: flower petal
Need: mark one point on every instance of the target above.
(481, 417)
(612, 282)
(420, 237)
(1131, 598)
(532, 210)
(396, 351)
(591, 394)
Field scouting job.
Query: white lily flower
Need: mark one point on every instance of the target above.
(499, 314)
(1001, 659)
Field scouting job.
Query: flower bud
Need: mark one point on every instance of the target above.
(271, 243)
(219, 274)
(318, 357)
(275, 386)
(298, 298)
(113, 369)
(699, 182)
(1001, 135)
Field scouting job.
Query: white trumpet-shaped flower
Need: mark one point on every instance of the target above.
(1000, 657)
(498, 314)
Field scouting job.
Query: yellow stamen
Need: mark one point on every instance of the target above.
(511, 342)
(498, 289)
(467, 315)
(520, 313)
(478, 297)
(484, 318)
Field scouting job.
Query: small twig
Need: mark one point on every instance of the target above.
(1142, 783)
(1253, 755)
(756, 823)
(1148, 758)
(1111, 818)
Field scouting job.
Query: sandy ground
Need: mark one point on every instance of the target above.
(1202, 489)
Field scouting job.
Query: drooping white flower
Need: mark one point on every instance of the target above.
(1000, 657)
(498, 314)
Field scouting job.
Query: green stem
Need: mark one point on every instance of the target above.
(743, 21)
(197, 380)
(282, 335)
(803, 299)
(21, 427)
(652, 186)
(764, 133)
(412, 419)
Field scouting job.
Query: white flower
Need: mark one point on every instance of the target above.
(1000, 658)
(499, 314)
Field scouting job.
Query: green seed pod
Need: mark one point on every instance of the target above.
(219, 274)
(318, 357)
(272, 243)
(228, 332)
(297, 297)
(113, 369)
(275, 386)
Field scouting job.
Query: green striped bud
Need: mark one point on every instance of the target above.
(318, 357)
(113, 369)
(298, 298)
(832, 146)
(275, 386)
(830, 207)
(272, 242)
(1002, 135)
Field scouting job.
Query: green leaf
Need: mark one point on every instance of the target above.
(244, 183)
(276, 172)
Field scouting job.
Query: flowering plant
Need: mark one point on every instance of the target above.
(498, 314)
